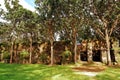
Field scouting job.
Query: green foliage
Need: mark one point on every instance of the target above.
(66, 54)
(43, 58)
(6, 55)
(24, 53)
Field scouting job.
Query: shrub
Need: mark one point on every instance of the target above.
(6, 55)
(24, 53)
(43, 58)
(66, 54)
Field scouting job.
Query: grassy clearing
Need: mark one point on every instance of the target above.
(44, 72)
(37, 72)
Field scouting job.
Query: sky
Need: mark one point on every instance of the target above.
(28, 4)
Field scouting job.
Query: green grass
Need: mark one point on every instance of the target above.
(44, 72)
(109, 74)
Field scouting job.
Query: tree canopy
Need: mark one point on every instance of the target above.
(70, 20)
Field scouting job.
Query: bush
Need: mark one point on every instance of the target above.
(43, 58)
(6, 55)
(24, 53)
(66, 54)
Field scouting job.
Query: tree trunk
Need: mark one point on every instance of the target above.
(15, 52)
(30, 56)
(89, 52)
(75, 45)
(52, 60)
(108, 47)
(11, 53)
(51, 37)
(75, 52)
(1, 57)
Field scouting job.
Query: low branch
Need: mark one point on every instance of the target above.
(98, 31)
(114, 25)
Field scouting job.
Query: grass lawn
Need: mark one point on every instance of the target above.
(44, 72)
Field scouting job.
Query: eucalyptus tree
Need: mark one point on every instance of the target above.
(11, 16)
(48, 11)
(4, 38)
(72, 20)
(27, 28)
(30, 28)
(103, 17)
(21, 20)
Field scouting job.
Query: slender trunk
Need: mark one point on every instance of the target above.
(11, 53)
(89, 52)
(1, 57)
(75, 52)
(108, 47)
(12, 43)
(15, 53)
(75, 45)
(16, 58)
(30, 56)
(51, 37)
(52, 60)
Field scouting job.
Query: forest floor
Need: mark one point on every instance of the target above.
(58, 72)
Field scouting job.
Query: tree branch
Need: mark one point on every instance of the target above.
(98, 31)
(114, 24)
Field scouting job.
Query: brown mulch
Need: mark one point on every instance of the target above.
(89, 68)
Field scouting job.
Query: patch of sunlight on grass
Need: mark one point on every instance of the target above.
(90, 74)
(59, 77)
(37, 71)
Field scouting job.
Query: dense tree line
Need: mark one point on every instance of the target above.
(70, 20)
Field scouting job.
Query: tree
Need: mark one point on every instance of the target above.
(103, 16)
(12, 15)
(30, 28)
(21, 20)
(72, 19)
(49, 14)
(4, 41)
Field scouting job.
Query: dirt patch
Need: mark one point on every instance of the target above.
(89, 68)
